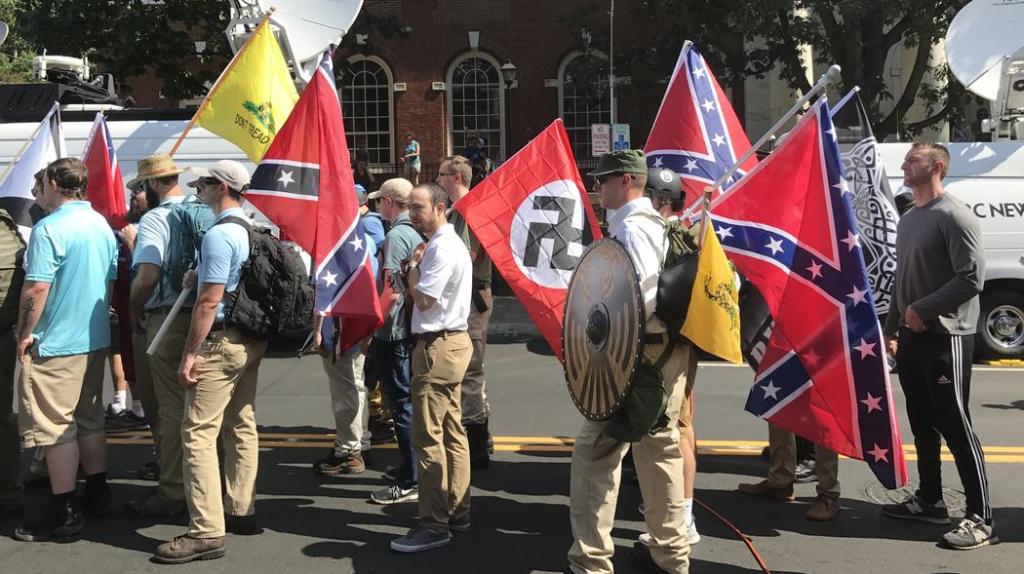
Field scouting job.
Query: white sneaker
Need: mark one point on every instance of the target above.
(692, 536)
(971, 533)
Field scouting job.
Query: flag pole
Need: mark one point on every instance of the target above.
(846, 99)
(819, 87)
(220, 80)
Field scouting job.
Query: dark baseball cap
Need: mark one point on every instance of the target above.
(621, 161)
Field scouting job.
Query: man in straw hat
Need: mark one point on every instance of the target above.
(165, 244)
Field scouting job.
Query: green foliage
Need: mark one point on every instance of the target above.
(16, 69)
(856, 34)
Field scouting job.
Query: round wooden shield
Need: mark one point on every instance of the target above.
(602, 334)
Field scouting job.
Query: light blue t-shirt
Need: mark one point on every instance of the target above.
(225, 249)
(154, 236)
(74, 250)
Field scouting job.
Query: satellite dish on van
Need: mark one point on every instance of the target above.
(979, 39)
(313, 25)
(4, 30)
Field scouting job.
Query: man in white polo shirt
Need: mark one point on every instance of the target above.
(440, 278)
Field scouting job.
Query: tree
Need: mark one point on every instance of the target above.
(15, 54)
(130, 38)
(856, 34)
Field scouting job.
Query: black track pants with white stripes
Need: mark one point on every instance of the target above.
(935, 373)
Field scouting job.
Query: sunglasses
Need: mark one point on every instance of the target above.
(602, 179)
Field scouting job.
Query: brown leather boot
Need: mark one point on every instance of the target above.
(186, 549)
(823, 508)
(767, 490)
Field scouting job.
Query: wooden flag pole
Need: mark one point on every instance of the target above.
(217, 84)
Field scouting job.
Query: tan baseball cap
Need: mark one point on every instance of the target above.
(397, 188)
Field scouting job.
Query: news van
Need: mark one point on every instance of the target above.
(989, 178)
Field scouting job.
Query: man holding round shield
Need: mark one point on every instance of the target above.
(619, 182)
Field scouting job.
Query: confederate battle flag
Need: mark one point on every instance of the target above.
(304, 185)
(789, 228)
(696, 132)
(534, 219)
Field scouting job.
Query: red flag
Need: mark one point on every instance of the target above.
(304, 185)
(789, 228)
(534, 219)
(106, 187)
(696, 132)
(106, 194)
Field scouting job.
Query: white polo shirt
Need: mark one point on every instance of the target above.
(446, 274)
(646, 242)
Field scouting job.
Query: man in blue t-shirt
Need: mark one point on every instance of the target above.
(62, 336)
(218, 369)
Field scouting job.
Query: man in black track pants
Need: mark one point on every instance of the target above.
(940, 271)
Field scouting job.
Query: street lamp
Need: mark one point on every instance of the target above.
(508, 74)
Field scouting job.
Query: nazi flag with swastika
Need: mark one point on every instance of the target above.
(534, 218)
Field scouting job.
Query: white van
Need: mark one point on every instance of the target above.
(989, 178)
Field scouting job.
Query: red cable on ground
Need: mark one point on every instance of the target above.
(746, 539)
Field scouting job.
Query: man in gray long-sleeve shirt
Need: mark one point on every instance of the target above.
(940, 272)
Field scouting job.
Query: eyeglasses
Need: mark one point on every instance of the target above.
(36, 190)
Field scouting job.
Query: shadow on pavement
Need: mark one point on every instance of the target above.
(1019, 405)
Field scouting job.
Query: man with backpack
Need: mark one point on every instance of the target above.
(620, 178)
(392, 343)
(218, 370)
(167, 238)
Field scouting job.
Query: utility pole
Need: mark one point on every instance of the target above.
(611, 61)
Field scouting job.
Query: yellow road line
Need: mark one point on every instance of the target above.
(528, 444)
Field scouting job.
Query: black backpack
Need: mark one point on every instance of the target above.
(274, 295)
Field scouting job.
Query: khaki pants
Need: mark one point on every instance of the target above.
(225, 395)
(594, 483)
(170, 396)
(438, 438)
(61, 397)
(782, 446)
(475, 409)
(348, 401)
(144, 388)
(10, 443)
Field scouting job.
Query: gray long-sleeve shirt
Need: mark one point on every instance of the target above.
(940, 267)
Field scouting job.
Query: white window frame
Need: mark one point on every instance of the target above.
(562, 67)
(449, 88)
(391, 100)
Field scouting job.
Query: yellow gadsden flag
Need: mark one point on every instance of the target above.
(713, 318)
(253, 96)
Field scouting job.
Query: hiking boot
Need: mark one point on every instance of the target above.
(63, 523)
(824, 508)
(805, 472)
(419, 539)
(476, 436)
(97, 502)
(186, 549)
(459, 524)
(692, 536)
(335, 465)
(916, 508)
(395, 494)
(971, 533)
(157, 504)
(640, 556)
(242, 525)
(767, 490)
(149, 471)
(381, 431)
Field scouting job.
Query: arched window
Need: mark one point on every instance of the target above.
(366, 103)
(476, 104)
(583, 98)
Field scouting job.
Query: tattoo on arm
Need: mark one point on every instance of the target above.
(26, 310)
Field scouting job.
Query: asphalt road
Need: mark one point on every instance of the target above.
(520, 514)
